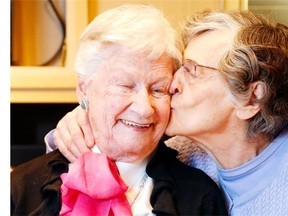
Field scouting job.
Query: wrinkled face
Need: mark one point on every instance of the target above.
(129, 104)
(200, 104)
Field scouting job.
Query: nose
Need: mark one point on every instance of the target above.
(143, 103)
(175, 86)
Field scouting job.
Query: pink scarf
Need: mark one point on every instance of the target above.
(93, 186)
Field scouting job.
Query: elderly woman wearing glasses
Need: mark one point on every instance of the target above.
(125, 65)
(236, 107)
(230, 99)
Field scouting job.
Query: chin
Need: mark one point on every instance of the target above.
(169, 131)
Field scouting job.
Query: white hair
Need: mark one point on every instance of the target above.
(142, 29)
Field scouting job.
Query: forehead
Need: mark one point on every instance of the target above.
(209, 47)
(123, 62)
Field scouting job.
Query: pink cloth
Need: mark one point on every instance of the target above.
(93, 186)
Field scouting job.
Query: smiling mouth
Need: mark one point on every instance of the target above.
(133, 124)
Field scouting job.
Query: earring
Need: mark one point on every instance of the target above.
(84, 104)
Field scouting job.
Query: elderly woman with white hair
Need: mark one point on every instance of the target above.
(125, 64)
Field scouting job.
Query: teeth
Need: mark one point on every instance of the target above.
(134, 124)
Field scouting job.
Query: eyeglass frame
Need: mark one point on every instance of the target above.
(195, 65)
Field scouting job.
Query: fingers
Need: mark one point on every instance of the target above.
(63, 147)
(69, 137)
(63, 140)
(84, 123)
(75, 121)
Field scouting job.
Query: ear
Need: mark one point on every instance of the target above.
(254, 105)
(81, 89)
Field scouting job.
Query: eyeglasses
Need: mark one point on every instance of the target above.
(191, 67)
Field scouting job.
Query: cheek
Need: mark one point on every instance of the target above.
(163, 110)
(104, 109)
(214, 106)
(202, 103)
(208, 94)
(191, 98)
(163, 113)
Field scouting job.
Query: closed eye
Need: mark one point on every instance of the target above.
(160, 92)
(125, 88)
(189, 70)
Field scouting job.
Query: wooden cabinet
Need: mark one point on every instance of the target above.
(52, 84)
(47, 84)
(41, 95)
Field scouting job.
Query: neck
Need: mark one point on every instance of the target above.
(232, 150)
(130, 172)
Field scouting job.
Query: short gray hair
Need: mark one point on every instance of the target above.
(259, 52)
(212, 20)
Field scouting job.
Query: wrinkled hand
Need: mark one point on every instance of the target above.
(73, 135)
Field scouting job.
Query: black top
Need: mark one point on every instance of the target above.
(178, 188)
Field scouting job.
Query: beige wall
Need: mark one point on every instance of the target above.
(175, 10)
(276, 10)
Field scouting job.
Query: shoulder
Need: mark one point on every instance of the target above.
(192, 175)
(37, 170)
(36, 180)
(193, 189)
(39, 164)
(166, 161)
(193, 155)
(187, 149)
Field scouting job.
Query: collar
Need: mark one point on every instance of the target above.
(237, 183)
(129, 172)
